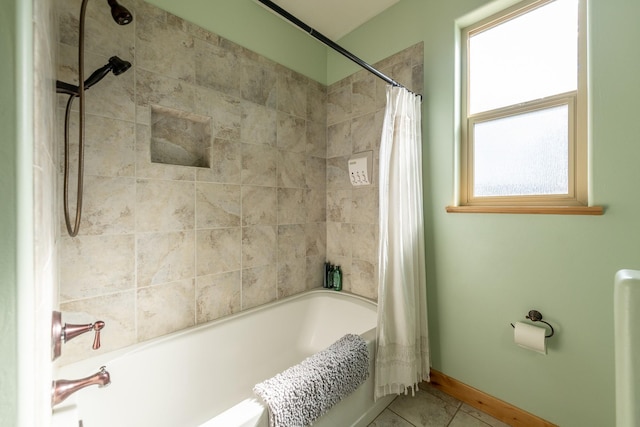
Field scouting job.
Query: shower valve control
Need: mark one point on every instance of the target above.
(360, 168)
(63, 333)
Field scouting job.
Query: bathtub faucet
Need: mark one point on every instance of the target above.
(61, 389)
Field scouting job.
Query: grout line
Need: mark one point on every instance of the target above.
(398, 415)
(454, 416)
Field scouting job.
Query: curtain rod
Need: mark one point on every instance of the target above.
(328, 42)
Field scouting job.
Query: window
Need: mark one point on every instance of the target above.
(524, 107)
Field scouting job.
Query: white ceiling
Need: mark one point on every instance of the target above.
(334, 18)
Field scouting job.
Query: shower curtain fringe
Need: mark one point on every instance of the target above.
(328, 42)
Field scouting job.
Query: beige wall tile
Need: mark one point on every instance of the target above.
(258, 83)
(368, 129)
(364, 207)
(364, 95)
(165, 205)
(154, 319)
(258, 124)
(217, 296)
(365, 237)
(154, 88)
(316, 172)
(291, 169)
(291, 242)
(339, 139)
(292, 277)
(339, 104)
(109, 205)
(316, 239)
(258, 286)
(292, 95)
(259, 205)
(337, 173)
(96, 265)
(259, 244)
(291, 133)
(339, 205)
(165, 257)
(314, 273)
(317, 139)
(218, 251)
(259, 165)
(316, 103)
(165, 49)
(291, 206)
(315, 204)
(225, 112)
(217, 205)
(216, 68)
(109, 146)
(226, 163)
(339, 239)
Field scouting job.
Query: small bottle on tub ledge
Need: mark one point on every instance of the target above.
(328, 275)
(337, 278)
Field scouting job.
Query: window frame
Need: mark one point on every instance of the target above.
(576, 101)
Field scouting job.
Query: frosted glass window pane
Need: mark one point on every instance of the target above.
(522, 155)
(526, 58)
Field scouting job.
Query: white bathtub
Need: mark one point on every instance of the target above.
(204, 376)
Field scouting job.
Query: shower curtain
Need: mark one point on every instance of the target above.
(402, 357)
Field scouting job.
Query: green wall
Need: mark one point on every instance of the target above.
(8, 297)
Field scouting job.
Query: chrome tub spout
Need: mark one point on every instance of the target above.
(61, 389)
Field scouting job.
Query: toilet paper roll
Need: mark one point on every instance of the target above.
(530, 337)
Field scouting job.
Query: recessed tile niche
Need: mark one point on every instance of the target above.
(180, 138)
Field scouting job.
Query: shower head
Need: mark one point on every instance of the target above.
(120, 14)
(115, 64)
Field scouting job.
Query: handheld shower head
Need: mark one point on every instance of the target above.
(118, 66)
(120, 14)
(115, 64)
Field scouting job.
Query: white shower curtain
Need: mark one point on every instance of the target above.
(402, 357)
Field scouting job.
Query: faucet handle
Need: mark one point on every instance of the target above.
(96, 340)
(72, 331)
(60, 333)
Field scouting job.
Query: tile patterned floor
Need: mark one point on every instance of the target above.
(432, 408)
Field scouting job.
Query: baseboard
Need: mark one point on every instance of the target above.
(497, 408)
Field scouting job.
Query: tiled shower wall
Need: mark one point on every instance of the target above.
(164, 247)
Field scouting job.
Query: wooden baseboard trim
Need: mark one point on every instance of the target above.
(497, 408)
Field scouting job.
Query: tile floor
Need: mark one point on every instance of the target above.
(432, 408)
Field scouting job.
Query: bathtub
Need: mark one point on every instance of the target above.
(204, 376)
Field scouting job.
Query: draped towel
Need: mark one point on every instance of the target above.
(302, 393)
(402, 356)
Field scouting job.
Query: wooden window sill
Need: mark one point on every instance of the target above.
(543, 210)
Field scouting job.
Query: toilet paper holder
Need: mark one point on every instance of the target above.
(536, 316)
